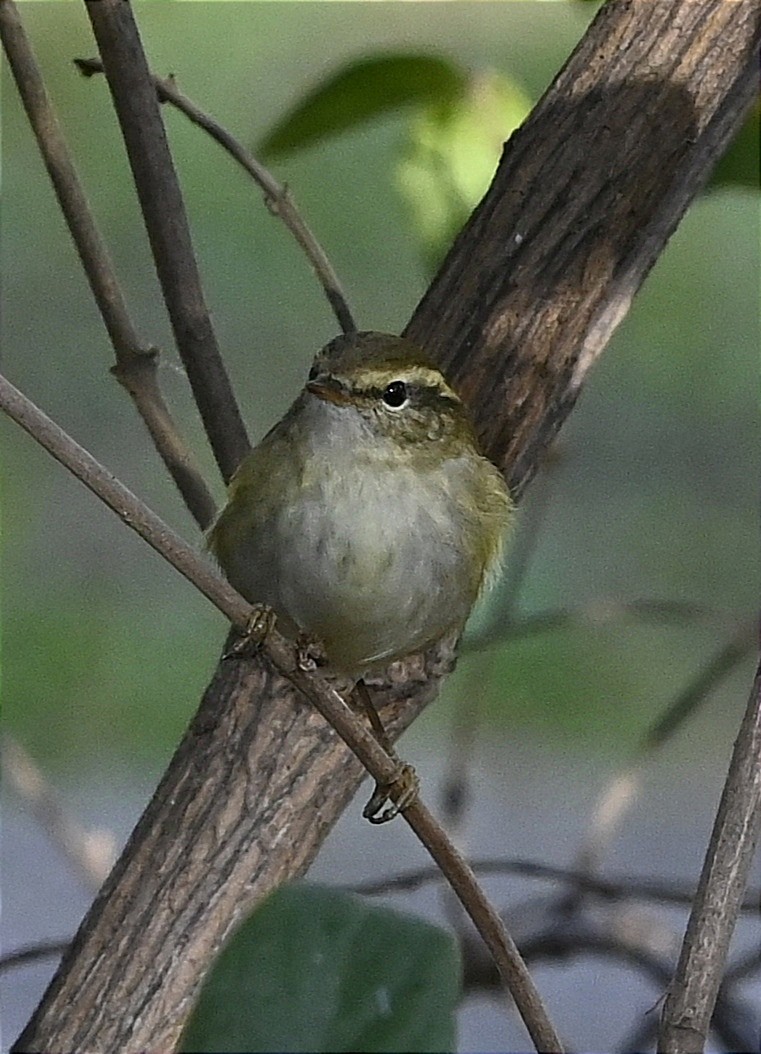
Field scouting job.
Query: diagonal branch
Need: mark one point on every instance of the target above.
(692, 994)
(284, 657)
(277, 197)
(166, 222)
(587, 193)
(90, 851)
(584, 200)
(136, 364)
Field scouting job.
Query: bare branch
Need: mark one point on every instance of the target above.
(586, 196)
(285, 658)
(742, 644)
(135, 367)
(622, 790)
(32, 953)
(628, 887)
(158, 189)
(602, 611)
(588, 191)
(693, 990)
(91, 852)
(278, 198)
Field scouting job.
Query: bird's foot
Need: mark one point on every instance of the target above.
(310, 652)
(260, 624)
(392, 797)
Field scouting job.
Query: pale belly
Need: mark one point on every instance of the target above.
(382, 581)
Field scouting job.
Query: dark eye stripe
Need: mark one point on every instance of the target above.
(424, 395)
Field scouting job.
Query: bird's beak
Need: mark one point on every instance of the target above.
(329, 391)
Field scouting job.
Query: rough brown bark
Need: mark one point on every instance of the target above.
(585, 198)
(588, 192)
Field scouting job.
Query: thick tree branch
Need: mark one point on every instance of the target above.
(166, 222)
(283, 657)
(585, 198)
(587, 194)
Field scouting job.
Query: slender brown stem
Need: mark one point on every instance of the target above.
(692, 994)
(32, 953)
(286, 658)
(585, 197)
(622, 789)
(136, 363)
(620, 889)
(158, 189)
(91, 852)
(278, 198)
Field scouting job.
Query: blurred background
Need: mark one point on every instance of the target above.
(652, 494)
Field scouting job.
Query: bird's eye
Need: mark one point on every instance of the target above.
(395, 394)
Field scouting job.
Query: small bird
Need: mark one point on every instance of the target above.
(367, 518)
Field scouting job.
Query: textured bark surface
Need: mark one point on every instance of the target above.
(586, 196)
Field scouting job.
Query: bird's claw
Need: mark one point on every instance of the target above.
(310, 653)
(391, 798)
(260, 624)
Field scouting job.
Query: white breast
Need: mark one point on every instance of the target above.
(374, 565)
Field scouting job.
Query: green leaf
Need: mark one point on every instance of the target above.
(359, 92)
(314, 969)
(451, 155)
(740, 164)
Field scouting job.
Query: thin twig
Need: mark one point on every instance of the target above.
(599, 612)
(727, 658)
(278, 198)
(732, 1022)
(91, 852)
(621, 791)
(285, 658)
(136, 363)
(619, 889)
(501, 622)
(32, 953)
(139, 114)
(692, 995)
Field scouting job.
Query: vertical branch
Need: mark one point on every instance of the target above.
(136, 365)
(693, 991)
(277, 197)
(158, 189)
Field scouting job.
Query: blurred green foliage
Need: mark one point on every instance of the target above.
(453, 139)
(362, 90)
(313, 969)
(106, 651)
(740, 164)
